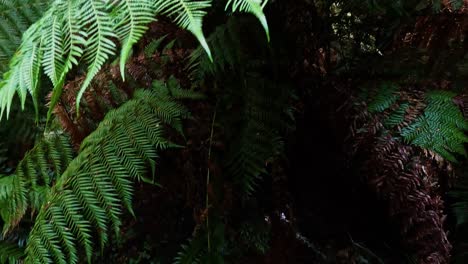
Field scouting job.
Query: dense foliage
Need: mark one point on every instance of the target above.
(236, 131)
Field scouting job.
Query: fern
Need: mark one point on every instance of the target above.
(17, 16)
(224, 59)
(192, 252)
(132, 26)
(441, 128)
(196, 250)
(90, 194)
(257, 139)
(100, 45)
(85, 32)
(255, 236)
(28, 186)
(151, 48)
(21, 130)
(10, 253)
(398, 116)
(251, 6)
(188, 15)
(457, 4)
(386, 96)
(255, 126)
(454, 4)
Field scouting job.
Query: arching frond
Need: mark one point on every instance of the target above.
(72, 50)
(254, 7)
(100, 44)
(10, 253)
(188, 14)
(224, 59)
(28, 186)
(89, 32)
(133, 18)
(98, 183)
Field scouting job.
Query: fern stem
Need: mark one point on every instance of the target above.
(207, 199)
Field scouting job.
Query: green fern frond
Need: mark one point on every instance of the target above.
(191, 252)
(397, 116)
(53, 53)
(437, 5)
(73, 44)
(441, 128)
(224, 59)
(196, 251)
(457, 4)
(256, 236)
(254, 7)
(246, 162)
(100, 44)
(17, 16)
(261, 115)
(385, 97)
(188, 14)
(88, 32)
(257, 139)
(151, 48)
(33, 177)
(10, 253)
(133, 18)
(6, 187)
(172, 86)
(89, 196)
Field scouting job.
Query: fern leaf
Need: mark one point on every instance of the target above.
(89, 196)
(254, 7)
(10, 253)
(33, 176)
(191, 252)
(73, 43)
(29, 72)
(441, 128)
(136, 15)
(100, 44)
(86, 32)
(153, 46)
(188, 14)
(386, 96)
(53, 53)
(17, 16)
(257, 140)
(398, 116)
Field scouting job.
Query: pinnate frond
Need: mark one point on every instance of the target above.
(254, 7)
(92, 192)
(188, 14)
(29, 185)
(88, 32)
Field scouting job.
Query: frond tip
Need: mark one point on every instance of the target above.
(254, 7)
(188, 14)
